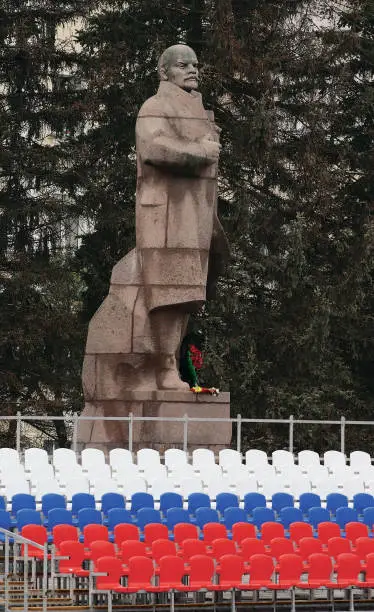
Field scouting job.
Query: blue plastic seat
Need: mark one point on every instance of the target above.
(253, 500)
(361, 501)
(206, 515)
(344, 515)
(141, 500)
(281, 500)
(50, 501)
(318, 515)
(5, 522)
(82, 500)
(290, 515)
(175, 516)
(59, 516)
(144, 516)
(334, 501)
(116, 516)
(307, 501)
(170, 500)
(232, 516)
(89, 516)
(226, 500)
(198, 500)
(368, 517)
(112, 500)
(262, 515)
(22, 501)
(25, 516)
(2, 503)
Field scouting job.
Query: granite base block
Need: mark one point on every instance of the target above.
(158, 434)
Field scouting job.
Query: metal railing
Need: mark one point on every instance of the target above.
(10, 560)
(75, 419)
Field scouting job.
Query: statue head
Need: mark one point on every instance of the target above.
(178, 65)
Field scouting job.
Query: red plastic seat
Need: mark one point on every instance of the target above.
(261, 569)
(201, 572)
(369, 571)
(271, 530)
(222, 546)
(75, 553)
(348, 568)
(38, 534)
(290, 568)
(212, 531)
(355, 530)
(92, 533)
(319, 572)
(309, 546)
(240, 531)
(161, 548)
(230, 572)
(299, 530)
(250, 547)
(62, 533)
(131, 548)
(154, 531)
(111, 582)
(337, 546)
(185, 531)
(190, 548)
(140, 574)
(100, 548)
(171, 572)
(327, 530)
(364, 547)
(125, 531)
(280, 546)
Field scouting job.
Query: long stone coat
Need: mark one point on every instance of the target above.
(178, 235)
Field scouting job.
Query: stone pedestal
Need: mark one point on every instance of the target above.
(158, 434)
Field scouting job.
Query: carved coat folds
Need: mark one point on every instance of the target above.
(178, 235)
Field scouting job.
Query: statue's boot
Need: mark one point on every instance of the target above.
(168, 375)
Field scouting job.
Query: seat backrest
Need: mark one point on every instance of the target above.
(28, 517)
(336, 500)
(345, 515)
(320, 567)
(261, 568)
(229, 457)
(212, 531)
(201, 457)
(206, 515)
(299, 530)
(162, 547)
(282, 458)
(362, 500)
(368, 517)
(125, 531)
(21, 501)
(75, 552)
(120, 456)
(348, 566)
(290, 568)
(59, 516)
(317, 515)
(223, 546)
(171, 570)
(327, 530)
(82, 500)
(201, 569)
(170, 500)
(290, 515)
(63, 456)
(117, 516)
(36, 533)
(190, 484)
(359, 460)
(338, 545)
(226, 500)
(254, 500)
(52, 500)
(231, 569)
(234, 515)
(262, 515)
(309, 500)
(364, 546)
(147, 456)
(334, 458)
(308, 546)
(251, 546)
(112, 500)
(254, 457)
(280, 546)
(242, 530)
(113, 569)
(270, 530)
(154, 531)
(61, 533)
(281, 500)
(94, 532)
(101, 548)
(198, 500)
(35, 457)
(175, 516)
(5, 519)
(308, 458)
(140, 571)
(131, 548)
(191, 547)
(184, 531)
(88, 516)
(147, 515)
(141, 500)
(92, 457)
(175, 457)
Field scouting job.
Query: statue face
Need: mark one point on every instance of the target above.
(182, 69)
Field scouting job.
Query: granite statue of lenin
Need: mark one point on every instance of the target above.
(178, 235)
(135, 335)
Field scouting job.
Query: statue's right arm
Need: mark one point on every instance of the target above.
(158, 146)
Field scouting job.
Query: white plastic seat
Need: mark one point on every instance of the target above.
(228, 457)
(156, 470)
(190, 485)
(98, 472)
(146, 457)
(63, 457)
(43, 486)
(69, 471)
(308, 459)
(325, 485)
(360, 461)
(76, 484)
(290, 471)
(255, 458)
(160, 485)
(269, 486)
(132, 485)
(175, 457)
(103, 485)
(298, 484)
(183, 470)
(218, 485)
(9, 456)
(333, 459)
(202, 457)
(209, 472)
(35, 458)
(14, 486)
(129, 470)
(281, 459)
(263, 472)
(245, 485)
(45, 471)
(236, 472)
(119, 457)
(353, 485)
(92, 458)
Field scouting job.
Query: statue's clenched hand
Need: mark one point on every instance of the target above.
(212, 150)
